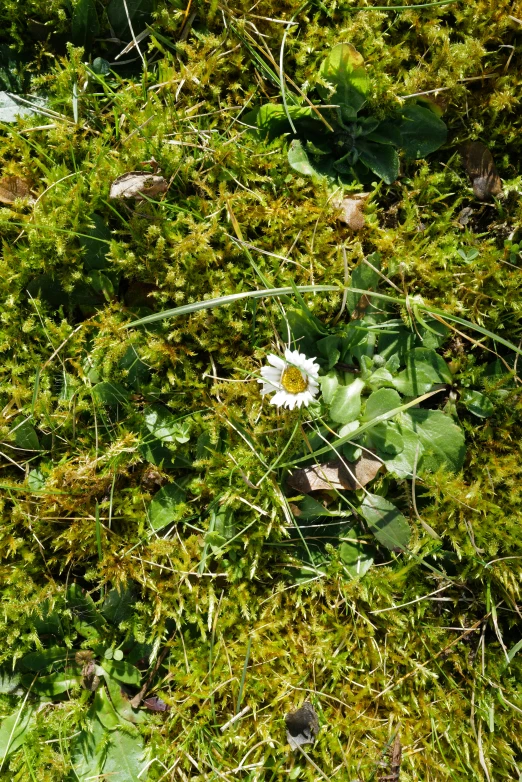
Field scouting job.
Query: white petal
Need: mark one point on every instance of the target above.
(279, 399)
(276, 362)
(303, 399)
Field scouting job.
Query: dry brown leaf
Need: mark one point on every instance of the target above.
(395, 762)
(13, 187)
(482, 170)
(336, 475)
(138, 185)
(350, 210)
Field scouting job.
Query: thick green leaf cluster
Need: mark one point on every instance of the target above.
(336, 140)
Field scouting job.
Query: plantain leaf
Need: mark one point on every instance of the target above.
(422, 131)
(85, 25)
(386, 522)
(13, 730)
(121, 671)
(344, 69)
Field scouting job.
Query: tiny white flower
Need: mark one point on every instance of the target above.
(294, 379)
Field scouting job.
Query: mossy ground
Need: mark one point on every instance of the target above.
(406, 648)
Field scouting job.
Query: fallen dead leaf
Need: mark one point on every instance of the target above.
(155, 704)
(395, 762)
(336, 475)
(481, 169)
(13, 187)
(138, 185)
(350, 210)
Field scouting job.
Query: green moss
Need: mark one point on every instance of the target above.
(448, 692)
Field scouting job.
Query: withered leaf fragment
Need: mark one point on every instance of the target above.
(350, 210)
(395, 762)
(155, 704)
(302, 726)
(481, 169)
(89, 681)
(336, 475)
(13, 187)
(138, 185)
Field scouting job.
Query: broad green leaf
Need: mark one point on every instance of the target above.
(13, 730)
(365, 278)
(36, 479)
(382, 159)
(221, 529)
(122, 671)
(442, 440)
(104, 710)
(386, 522)
(152, 450)
(424, 369)
(166, 426)
(37, 661)
(125, 758)
(328, 348)
(346, 403)
(11, 108)
(329, 384)
(100, 66)
(357, 557)
(118, 606)
(85, 25)
(52, 685)
(422, 131)
(101, 283)
(110, 394)
(399, 340)
(138, 11)
(299, 160)
(381, 378)
(95, 243)
(164, 506)
(122, 705)
(385, 439)
(344, 69)
(477, 403)
(138, 372)
(87, 749)
(402, 464)
(9, 681)
(272, 119)
(25, 435)
(87, 619)
(387, 132)
(380, 402)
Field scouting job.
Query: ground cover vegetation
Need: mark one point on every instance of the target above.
(183, 540)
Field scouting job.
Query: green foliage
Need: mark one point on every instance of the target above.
(337, 141)
(226, 589)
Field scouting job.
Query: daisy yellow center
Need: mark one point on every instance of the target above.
(293, 381)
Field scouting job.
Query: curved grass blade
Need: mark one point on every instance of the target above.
(220, 301)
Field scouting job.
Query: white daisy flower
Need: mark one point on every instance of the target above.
(294, 379)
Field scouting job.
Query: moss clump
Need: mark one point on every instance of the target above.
(418, 645)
